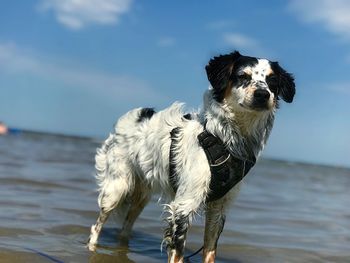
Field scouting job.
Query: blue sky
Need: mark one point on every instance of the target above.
(73, 66)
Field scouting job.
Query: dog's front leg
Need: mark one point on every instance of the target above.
(176, 236)
(180, 213)
(214, 224)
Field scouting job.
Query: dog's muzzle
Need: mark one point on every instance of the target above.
(261, 96)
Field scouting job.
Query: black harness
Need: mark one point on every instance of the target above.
(226, 170)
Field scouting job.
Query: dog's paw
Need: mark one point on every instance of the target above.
(92, 242)
(91, 246)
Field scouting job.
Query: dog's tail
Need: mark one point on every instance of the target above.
(107, 155)
(101, 162)
(112, 175)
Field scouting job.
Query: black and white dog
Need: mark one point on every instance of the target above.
(196, 160)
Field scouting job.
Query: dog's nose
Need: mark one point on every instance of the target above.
(261, 95)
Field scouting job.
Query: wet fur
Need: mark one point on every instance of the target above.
(133, 162)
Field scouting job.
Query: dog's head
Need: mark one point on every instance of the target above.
(248, 83)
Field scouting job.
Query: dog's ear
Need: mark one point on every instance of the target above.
(219, 70)
(284, 81)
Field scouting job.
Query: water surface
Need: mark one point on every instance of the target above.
(286, 212)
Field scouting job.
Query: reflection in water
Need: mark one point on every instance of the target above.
(118, 256)
(286, 212)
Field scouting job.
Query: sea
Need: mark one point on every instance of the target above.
(285, 212)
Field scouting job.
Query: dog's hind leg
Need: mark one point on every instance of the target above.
(96, 229)
(114, 189)
(138, 200)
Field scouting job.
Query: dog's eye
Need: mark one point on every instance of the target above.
(272, 82)
(244, 76)
(272, 79)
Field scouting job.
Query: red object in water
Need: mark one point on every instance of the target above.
(3, 129)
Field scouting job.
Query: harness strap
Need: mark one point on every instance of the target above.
(226, 170)
(172, 165)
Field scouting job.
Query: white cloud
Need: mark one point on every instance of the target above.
(166, 42)
(76, 14)
(14, 60)
(240, 41)
(332, 14)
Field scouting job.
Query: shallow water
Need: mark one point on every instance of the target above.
(286, 212)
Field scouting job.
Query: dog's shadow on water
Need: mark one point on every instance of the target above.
(142, 247)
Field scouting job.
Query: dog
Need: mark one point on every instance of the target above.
(172, 152)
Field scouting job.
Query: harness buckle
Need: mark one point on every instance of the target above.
(220, 163)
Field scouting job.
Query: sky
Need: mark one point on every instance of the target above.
(75, 66)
